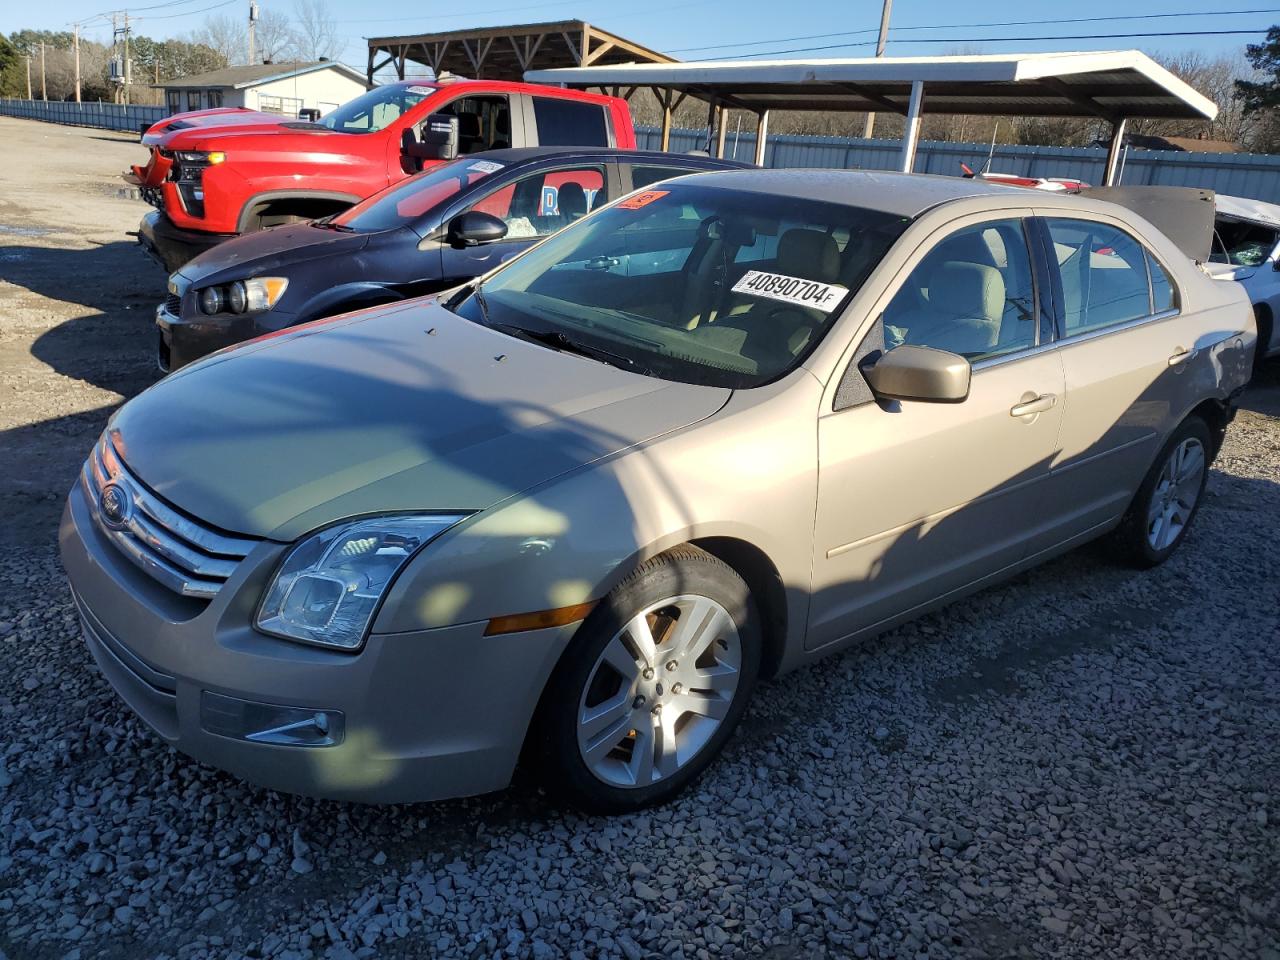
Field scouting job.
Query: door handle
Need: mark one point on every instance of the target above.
(1036, 405)
(1181, 355)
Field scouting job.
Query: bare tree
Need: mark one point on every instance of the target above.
(226, 35)
(275, 37)
(316, 31)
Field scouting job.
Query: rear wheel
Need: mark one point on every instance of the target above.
(1169, 497)
(652, 685)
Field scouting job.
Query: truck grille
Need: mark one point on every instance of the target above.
(173, 304)
(181, 553)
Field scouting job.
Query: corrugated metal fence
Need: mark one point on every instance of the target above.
(106, 116)
(1254, 175)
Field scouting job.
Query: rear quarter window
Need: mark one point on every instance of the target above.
(569, 123)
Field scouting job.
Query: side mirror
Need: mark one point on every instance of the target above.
(309, 113)
(473, 228)
(910, 372)
(440, 137)
(439, 142)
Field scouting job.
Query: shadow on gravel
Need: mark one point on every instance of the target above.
(1263, 395)
(997, 676)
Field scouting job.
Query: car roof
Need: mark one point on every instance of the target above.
(903, 194)
(513, 155)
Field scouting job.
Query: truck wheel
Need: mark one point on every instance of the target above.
(275, 213)
(1167, 501)
(651, 686)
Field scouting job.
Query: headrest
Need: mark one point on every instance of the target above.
(468, 124)
(810, 254)
(503, 122)
(968, 290)
(572, 200)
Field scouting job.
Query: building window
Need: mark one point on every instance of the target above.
(215, 98)
(174, 99)
(193, 99)
(289, 106)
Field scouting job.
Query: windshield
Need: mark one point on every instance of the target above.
(411, 198)
(693, 283)
(373, 111)
(1242, 243)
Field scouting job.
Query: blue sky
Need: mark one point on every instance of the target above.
(678, 26)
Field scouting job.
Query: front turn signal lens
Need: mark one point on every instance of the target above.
(539, 620)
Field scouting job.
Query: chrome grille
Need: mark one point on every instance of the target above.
(179, 552)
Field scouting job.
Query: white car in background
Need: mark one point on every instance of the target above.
(1246, 248)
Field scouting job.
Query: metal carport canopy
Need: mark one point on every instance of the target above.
(1113, 85)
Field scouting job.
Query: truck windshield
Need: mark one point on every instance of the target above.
(373, 111)
(409, 199)
(691, 282)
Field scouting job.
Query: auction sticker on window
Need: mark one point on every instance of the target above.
(801, 292)
(484, 166)
(642, 199)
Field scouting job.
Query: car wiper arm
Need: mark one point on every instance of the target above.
(558, 340)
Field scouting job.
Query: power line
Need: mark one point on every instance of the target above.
(955, 40)
(955, 26)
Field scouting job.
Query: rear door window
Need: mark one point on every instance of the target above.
(642, 176)
(541, 203)
(1104, 275)
(570, 123)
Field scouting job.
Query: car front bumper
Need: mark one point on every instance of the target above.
(171, 245)
(415, 716)
(180, 341)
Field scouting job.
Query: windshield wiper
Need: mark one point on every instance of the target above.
(481, 303)
(558, 340)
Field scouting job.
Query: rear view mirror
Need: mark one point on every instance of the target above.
(910, 372)
(475, 227)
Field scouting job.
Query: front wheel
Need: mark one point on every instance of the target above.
(1167, 501)
(652, 685)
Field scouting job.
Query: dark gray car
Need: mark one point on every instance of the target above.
(424, 234)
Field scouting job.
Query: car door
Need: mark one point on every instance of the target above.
(533, 206)
(1128, 354)
(918, 500)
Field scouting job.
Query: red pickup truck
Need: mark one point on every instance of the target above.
(214, 174)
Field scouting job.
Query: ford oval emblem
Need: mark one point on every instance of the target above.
(116, 506)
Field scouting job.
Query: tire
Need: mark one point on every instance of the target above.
(1147, 537)
(600, 745)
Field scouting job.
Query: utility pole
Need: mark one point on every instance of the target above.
(44, 93)
(253, 22)
(76, 35)
(28, 76)
(128, 67)
(884, 36)
(116, 73)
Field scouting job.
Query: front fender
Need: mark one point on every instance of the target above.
(344, 298)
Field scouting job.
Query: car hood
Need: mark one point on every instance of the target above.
(256, 254)
(184, 130)
(393, 409)
(1229, 271)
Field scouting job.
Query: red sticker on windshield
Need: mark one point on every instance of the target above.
(642, 199)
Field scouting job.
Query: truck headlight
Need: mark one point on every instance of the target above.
(330, 584)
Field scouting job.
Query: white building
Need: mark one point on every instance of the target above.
(283, 88)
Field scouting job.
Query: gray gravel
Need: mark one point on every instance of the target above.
(1083, 762)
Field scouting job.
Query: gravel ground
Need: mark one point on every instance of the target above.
(1083, 762)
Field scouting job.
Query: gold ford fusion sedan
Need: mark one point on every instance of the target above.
(573, 513)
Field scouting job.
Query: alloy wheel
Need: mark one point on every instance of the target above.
(660, 689)
(1176, 491)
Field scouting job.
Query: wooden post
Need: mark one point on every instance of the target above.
(76, 43)
(722, 127)
(884, 36)
(44, 94)
(28, 78)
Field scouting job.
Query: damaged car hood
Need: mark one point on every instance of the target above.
(394, 409)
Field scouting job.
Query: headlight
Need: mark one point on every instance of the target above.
(211, 299)
(244, 296)
(200, 156)
(330, 584)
